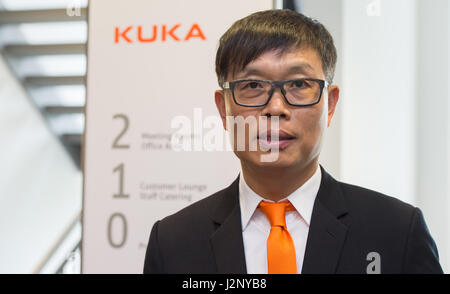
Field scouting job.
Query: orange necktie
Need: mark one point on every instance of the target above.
(280, 247)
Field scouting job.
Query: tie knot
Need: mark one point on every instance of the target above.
(275, 212)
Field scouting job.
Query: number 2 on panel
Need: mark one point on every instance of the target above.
(116, 144)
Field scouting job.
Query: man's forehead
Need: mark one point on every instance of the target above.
(295, 68)
(298, 61)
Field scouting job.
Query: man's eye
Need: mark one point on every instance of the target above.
(252, 85)
(298, 84)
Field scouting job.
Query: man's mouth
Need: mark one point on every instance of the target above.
(273, 139)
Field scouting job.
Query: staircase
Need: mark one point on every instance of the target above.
(44, 43)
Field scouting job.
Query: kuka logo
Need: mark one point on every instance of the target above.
(129, 35)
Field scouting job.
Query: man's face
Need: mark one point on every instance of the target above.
(306, 123)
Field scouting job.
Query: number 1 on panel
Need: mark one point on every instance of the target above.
(121, 194)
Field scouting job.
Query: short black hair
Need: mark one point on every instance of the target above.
(279, 29)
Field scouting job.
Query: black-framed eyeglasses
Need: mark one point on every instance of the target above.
(256, 93)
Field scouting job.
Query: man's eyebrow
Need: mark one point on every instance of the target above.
(301, 68)
(250, 71)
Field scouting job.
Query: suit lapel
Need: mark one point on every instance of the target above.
(327, 230)
(226, 241)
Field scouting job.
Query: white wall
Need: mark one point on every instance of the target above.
(331, 18)
(40, 187)
(433, 185)
(378, 97)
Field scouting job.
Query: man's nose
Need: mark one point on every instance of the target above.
(277, 105)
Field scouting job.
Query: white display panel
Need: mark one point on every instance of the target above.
(149, 62)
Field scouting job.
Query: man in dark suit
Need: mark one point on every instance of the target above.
(288, 214)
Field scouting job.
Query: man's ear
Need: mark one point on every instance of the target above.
(219, 97)
(333, 97)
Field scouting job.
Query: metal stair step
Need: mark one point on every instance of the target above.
(61, 110)
(32, 16)
(23, 50)
(72, 139)
(53, 80)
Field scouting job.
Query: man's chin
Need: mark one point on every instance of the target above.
(273, 159)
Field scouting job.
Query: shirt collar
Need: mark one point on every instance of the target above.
(302, 199)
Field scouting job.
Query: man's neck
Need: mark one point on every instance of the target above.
(276, 184)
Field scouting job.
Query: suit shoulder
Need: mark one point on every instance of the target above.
(183, 238)
(370, 202)
(193, 213)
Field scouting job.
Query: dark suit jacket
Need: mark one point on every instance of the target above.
(347, 223)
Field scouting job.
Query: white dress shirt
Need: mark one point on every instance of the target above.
(256, 226)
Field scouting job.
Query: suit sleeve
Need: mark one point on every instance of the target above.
(421, 256)
(153, 263)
